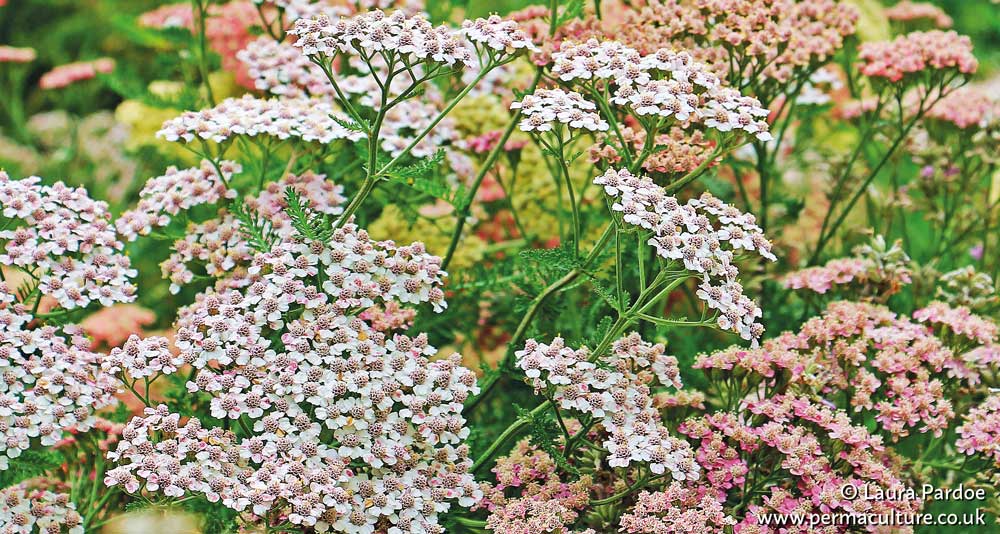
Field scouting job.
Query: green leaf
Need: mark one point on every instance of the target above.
(30, 464)
(308, 223)
(255, 229)
(544, 432)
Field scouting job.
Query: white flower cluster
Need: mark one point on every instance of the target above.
(665, 84)
(294, 10)
(404, 121)
(704, 233)
(547, 107)
(67, 242)
(221, 246)
(281, 69)
(498, 34)
(174, 191)
(412, 38)
(353, 430)
(311, 120)
(26, 508)
(142, 358)
(48, 384)
(616, 393)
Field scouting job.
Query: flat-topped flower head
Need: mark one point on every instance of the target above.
(496, 33)
(66, 240)
(309, 120)
(32, 507)
(968, 108)
(907, 11)
(11, 54)
(411, 37)
(704, 235)
(980, 430)
(281, 69)
(546, 108)
(175, 191)
(915, 52)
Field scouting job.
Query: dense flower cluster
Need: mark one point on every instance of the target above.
(311, 120)
(412, 37)
(980, 431)
(50, 384)
(70, 73)
(907, 11)
(549, 107)
(915, 52)
(967, 287)
(27, 508)
(876, 271)
(497, 34)
(67, 242)
(333, 379)
(959, 321)
(820, 279)
(968, 108)
(615, 393)
(281, 69)
(11, 54)
(686, 233)
(676, 509)
(142, 358)
(175, 191)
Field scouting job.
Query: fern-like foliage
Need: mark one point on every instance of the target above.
(255, 229)
(30, 464)
(544, 433)
(308, 223)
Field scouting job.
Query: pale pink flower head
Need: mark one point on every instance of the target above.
(10, 54)
(70, 73)
(909, 54)
(907, 11)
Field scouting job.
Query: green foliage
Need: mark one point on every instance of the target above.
(544, 432)
(308, 223)
(424, 176)
(31, 463)
(255, 229)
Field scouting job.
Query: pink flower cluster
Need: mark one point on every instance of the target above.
(907, 11)
(959, 321)
(915, 52)
(352, 427)
(664, 84)
(686, 233)
(11, 54)
(29, 508)
(980, 431)
(67, 242)
(175, 191)
(968, 108)
(281, 69)
(546, 108)
(544, 503)
(70, 73)
(820, 279)
(676, 509)
(220, 244)
(876, 271)
(310, 120)
(817, 449)
(616, 394)
(413, 38)
(50, 384)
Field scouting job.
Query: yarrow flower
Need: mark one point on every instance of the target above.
(142, 358)
(967, 108)
(959, 321)
(967, 287)
(51, 383)
(915, 52)
(70, 73)
(876, 271)
(67, 242)
(907, 11)
(30, 507)
(546, 108)
(980, 430)
(412, 37)
(11, 54)
(175, 191)
(497, 34)
(281, 69)
(676, 509)
(705, 234)
(612, 391)
(354, 428)
(310, 120)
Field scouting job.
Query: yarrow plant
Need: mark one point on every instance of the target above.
(384, 267)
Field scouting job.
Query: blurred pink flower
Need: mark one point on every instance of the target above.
(70, 73)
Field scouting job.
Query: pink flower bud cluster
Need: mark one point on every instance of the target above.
(412, 38)
(67, 242)
(10, 54)
(907, 11)
(678, 152)
(876, 271)
(310, 120)
(664, 84)
(546, 108)
(51, 383)
(916, 52)
(803, 439)
(542, 502)
(175, 191)
(705, 234)
(959, 321)
(28, 508)
(820, 279)
(220, 244)
(70, 73)
(282, 70)
(497, 34)
(968, 108)
(676, 509)
(980, 430)
(615, 390)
